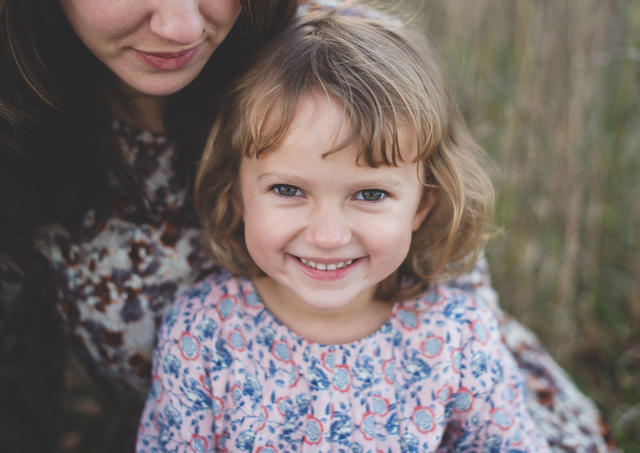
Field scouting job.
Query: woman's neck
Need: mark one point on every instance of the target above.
(137, 109)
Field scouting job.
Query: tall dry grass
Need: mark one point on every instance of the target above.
(551, 90)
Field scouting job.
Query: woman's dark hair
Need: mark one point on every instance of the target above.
(56, 156)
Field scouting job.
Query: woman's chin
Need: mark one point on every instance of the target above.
(156, 85)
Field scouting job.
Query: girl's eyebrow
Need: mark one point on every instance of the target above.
(279, 177)
(386, 182)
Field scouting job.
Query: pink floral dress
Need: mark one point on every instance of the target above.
(227, 376)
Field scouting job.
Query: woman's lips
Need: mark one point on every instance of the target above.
(325, 269)
(166, 61)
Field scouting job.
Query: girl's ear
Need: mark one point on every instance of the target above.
(429, 199)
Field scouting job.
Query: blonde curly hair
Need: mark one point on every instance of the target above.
(384, 78)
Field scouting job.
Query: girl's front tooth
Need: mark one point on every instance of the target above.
(325, 267)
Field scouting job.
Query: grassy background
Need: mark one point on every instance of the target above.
(551, 90)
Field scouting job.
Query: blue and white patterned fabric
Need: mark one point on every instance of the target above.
(228, 376)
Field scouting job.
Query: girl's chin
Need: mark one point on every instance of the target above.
(333, 300)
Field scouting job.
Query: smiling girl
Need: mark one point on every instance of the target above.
(338, 187)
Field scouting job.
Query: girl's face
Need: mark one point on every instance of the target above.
(156, 47)
(326, 230)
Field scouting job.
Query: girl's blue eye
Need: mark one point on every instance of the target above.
(286, 190)
(370, 195)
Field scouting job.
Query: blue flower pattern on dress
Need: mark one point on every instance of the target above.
(230, 377)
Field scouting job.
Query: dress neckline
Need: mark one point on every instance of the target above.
(385, 328)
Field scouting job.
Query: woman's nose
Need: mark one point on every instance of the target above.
(179, 21)
(328, 229)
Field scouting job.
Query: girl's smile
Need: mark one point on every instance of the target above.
(324, 229)
(326, 269)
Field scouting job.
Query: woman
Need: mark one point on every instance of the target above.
(104, 107)
(80, 82)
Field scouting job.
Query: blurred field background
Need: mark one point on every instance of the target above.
(551, 90)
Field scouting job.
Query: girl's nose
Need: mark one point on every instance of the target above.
(328, 229)
(179, 21)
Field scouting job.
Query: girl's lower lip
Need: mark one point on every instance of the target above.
(167, 61)
(325, 275)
